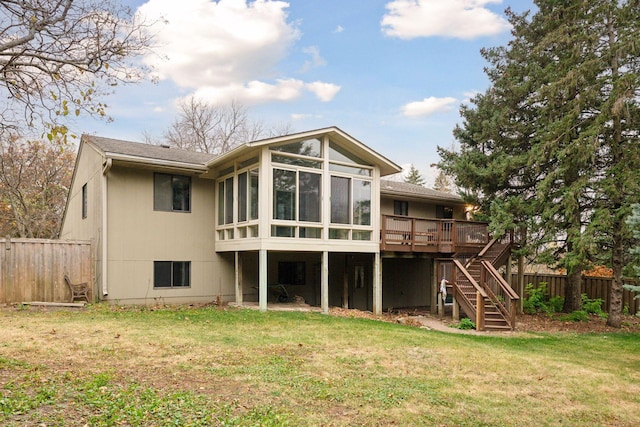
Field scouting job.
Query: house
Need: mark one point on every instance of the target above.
(306, 215)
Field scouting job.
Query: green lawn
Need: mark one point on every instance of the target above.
(208, 366)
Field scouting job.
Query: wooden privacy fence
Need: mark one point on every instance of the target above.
(594, 287)
(34, 269)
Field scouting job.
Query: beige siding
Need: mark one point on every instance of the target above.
(138, 236)
(418, 209)
(88, 171)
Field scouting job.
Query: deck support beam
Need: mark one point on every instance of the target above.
(262, 279)
(324, 283)
(377, 284)
(238, 278)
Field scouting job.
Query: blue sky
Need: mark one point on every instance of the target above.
(391, 73)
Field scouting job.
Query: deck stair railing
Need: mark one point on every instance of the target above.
(481, 291)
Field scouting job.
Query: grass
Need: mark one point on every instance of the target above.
(107, 366)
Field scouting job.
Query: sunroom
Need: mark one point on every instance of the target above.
(312, 199)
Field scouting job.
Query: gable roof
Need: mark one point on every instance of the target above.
(406, 190)
(387, 167)
(136, 152)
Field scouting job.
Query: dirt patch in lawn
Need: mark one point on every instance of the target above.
(524, 322)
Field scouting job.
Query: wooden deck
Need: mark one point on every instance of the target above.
(445, 236)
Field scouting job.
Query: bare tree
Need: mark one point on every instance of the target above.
(443, 183)
(60, 57)
(216, 129)
(34, 182)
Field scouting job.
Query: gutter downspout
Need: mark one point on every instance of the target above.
(105, 170)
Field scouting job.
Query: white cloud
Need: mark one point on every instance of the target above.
(338, 29)
(228, 49)
(315, 61)
(324, 91)
(464, 19)
(300, 116)
(428, 106)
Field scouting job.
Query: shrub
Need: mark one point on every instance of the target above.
(576, 316)
(592, 306)
(555, 304)
(535, 300)
(466, 324)
(538, 300)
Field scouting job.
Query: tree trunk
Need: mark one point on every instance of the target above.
(572, 294)
(615, 297)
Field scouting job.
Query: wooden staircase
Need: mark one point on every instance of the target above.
(482, 293)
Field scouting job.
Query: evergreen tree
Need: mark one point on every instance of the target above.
(551, 148)
(414, 177)
(634, 223)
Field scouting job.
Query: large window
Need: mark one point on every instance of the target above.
(171, 274)
(350, 201)
(309, 206)
(171, 193)
(361, 202)
(340, 196)
(296, 189)
(284, 199)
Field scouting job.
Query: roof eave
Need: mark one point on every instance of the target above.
(136, 160)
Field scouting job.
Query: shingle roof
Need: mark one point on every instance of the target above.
(148, 151)
(413, 190)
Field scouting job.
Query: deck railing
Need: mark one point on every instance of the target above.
(405, 234)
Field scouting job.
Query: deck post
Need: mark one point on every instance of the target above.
(238, 278)
(324, 283)
(345, 283)
(262, 280)
(455, 312)
(377, 284)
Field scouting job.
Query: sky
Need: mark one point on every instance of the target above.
(390, 73)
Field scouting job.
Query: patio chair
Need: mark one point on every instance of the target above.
(78, 290)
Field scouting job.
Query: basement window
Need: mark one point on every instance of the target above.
(171, 274)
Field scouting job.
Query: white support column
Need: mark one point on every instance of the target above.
(262, 280)
(377, 284)
(239, 291)
(324, 283)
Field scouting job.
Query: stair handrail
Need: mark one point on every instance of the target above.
(508, 311)
(471, 280)
(486, 248)
(476, 311)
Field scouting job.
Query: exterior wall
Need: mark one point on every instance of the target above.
(88, 171)
(406, 282)
(138, 235)
(418, 209)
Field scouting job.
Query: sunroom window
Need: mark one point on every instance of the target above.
(299, 189)
(350, 201)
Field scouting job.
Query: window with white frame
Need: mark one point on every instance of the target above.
(248, 195)
(225, 201)
(350, 201)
